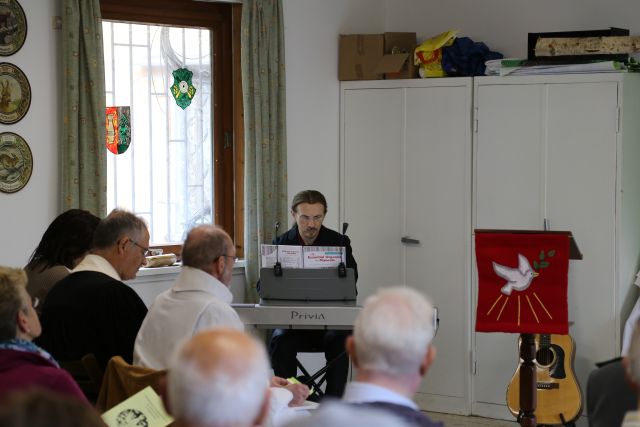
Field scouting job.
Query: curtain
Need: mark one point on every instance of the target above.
(84, 162)
(263, 86)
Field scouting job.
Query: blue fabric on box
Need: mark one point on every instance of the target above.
(466, 57)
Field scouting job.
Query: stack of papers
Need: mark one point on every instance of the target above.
(302, 256)
(518, 67)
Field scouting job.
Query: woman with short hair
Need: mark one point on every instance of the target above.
(24, 365)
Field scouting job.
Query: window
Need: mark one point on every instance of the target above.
(180, 168)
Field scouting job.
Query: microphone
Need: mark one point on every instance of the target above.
(342, 269)
(277, 267)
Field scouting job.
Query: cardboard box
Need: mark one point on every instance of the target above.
(377, 56)
(397, 62)
(359, 55)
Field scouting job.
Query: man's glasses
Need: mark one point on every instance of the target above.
(145, 251)
(307, 218)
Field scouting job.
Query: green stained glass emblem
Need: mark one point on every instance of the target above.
(183, 90)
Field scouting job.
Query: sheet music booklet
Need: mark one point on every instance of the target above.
(302, 256)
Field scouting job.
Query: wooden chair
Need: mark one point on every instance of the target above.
(122, 380)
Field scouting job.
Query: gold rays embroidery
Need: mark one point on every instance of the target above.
(503, 306)
(494, 304)
(544, 308)
(532, 310)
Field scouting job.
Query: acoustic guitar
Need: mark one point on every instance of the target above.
(558, 395)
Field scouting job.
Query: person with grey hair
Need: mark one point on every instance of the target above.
(198, 299)
(391, 350)
(91, 310)
(23, 365)
(219, 378)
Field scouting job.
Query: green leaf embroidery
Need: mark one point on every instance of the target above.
(541, 255)
(551, 253)
(535, 265)
(544, 264)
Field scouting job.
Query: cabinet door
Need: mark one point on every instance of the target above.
(581, 197)
(437, 213)
(407, 163)
(509, 187)
(372, 140)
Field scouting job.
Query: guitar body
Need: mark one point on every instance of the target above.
(558, 393)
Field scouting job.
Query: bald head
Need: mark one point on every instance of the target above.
(219, 378)
(205, 246)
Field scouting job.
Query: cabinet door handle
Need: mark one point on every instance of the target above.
(407, 239)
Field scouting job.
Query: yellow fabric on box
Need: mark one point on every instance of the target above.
(122, 381)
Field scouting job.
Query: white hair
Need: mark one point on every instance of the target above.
(230, 391)
(633, 366)
(393, 331)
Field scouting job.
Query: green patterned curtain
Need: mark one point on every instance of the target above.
(84, 162)
(263, 86)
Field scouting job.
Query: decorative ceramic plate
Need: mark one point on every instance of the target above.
(16, 162)
(13, 27)
(15, 93)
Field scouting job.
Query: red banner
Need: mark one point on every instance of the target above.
(522, 283)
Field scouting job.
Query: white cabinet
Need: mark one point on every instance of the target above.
(406, 172)
(563, 150)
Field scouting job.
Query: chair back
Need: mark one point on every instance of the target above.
(122, 380)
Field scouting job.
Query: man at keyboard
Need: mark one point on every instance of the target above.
(308, 210)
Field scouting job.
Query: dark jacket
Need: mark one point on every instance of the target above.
(326, 237)
(90, 312)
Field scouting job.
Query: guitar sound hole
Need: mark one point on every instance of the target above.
(544, 356)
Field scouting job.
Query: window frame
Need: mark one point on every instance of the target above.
(222, 19)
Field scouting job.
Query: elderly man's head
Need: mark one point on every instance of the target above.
(209, 248)
(219, 378)
(18, 318)
(393, 332)
(123, 239)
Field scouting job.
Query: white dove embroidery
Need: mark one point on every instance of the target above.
(517, 278)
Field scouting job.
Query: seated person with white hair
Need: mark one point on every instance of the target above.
(391, 350)
(219, 378)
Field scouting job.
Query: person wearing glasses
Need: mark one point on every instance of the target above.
(91, 310)
(308, 210)
(392, 351)
(199, 299)
(64, 244)
(23, 365)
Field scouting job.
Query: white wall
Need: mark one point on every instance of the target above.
(311, 43)
(503, 25)
(24, 215)
(313, 96)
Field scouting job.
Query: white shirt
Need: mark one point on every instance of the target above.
(196, 301)
(94, 262)
(360, 392)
